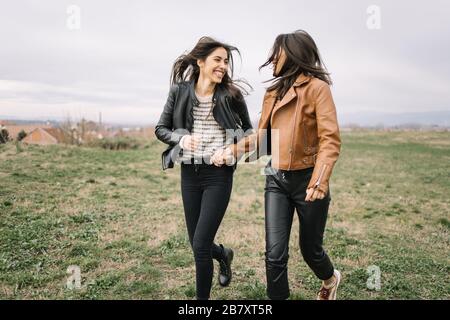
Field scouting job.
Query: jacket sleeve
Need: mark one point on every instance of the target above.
(247, 141)
(255, 140)
(246, 144)
(164, 129)
(329, 139)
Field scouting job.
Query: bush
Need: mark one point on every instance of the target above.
(119, 143)
(4, 135)
(21, 135)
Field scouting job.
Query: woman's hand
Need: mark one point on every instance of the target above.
(222, 156)
(217, 158)
(190, 142)
(313, 194)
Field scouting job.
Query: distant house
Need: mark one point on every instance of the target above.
(14, 130)
(44, 136)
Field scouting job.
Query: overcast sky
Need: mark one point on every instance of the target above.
(119, 60)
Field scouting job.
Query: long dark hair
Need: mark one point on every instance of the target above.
(185, 67)
(302, 56)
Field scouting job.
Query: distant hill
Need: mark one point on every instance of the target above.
(55, 123)
(28, 121)
(370, 119)
(362, 119)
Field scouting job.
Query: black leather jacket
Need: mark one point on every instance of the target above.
(177, 117)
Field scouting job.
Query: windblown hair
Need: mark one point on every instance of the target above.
(302, 56)
(185, 67)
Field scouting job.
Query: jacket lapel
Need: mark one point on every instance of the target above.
(190, 101)
(268, 104)
(292, 92)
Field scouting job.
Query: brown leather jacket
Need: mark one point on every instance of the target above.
(307, 128)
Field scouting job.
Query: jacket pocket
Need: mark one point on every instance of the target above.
(306, 144)
(309, 143)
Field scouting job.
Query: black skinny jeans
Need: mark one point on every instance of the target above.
(206, 191)
(285, 191)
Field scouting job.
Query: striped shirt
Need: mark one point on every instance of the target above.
(212, 135)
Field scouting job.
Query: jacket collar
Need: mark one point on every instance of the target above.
(269, 102)
(301, 79)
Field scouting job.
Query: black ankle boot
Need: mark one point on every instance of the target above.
(225, 273)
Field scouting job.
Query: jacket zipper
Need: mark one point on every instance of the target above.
(320, 176)
(292, 135)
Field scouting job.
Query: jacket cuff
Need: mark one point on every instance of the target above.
(321, 176)
(181, 141)
(176, 137)
(246, 144)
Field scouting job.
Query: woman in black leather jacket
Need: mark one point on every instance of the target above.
(204, 113)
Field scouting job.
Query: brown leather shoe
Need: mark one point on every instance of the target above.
(330, 293)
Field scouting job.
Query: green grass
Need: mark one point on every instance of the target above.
(118, 217)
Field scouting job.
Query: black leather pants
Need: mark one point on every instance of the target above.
(285, 192)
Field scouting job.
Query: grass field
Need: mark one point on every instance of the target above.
(119, 217)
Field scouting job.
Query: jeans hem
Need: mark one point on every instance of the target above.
(280, 297)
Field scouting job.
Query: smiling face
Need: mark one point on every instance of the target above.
(215, 66)
(278, 62)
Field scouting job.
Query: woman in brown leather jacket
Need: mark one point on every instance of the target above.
(298, 109)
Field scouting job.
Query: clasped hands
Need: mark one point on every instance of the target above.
(220, 156)
(223, 156)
